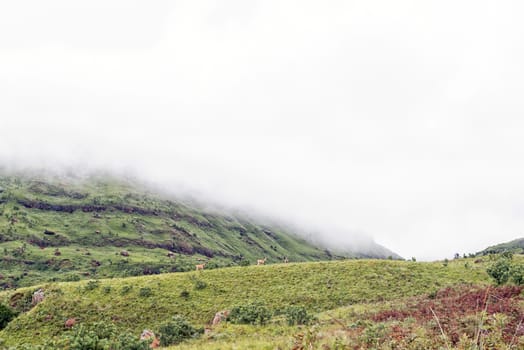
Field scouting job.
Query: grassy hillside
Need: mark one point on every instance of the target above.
(516, 246)
(145, 302)
(67, 229)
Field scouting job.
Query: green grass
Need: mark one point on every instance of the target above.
(318, 286)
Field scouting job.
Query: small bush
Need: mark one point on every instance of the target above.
(245, 262)
(175, 331)
(91, 285)
(107, 289)
(297, 315)
(184, 294)
(72, 278)
(90, 337)
(254, 313)
(500, 270)
(145, 292)
(128, 341)
(199, 284)
(100, 336)
(517, 274)
(126, 289)
(6, 315)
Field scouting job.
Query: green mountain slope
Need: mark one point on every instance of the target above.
(197, 295)
(516, 246)
(65, 229)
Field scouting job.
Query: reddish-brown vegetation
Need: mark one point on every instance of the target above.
(460, 310)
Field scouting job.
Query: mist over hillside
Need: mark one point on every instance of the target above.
(323, 234)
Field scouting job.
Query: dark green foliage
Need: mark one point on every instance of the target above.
(126, 289)
(245, 262)
(297, 315)
(176, 330)
(101, 336)
(91, 285)
(71, 278)
(128, 341)
(94, 337)
(184, 294)
(253, 313)
(517, 274)
(199, 284)
(145, 292)
(500, 270)
(6, 315)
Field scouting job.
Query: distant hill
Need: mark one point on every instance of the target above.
(516, 246)
(67, 228)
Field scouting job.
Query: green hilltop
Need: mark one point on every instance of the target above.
(515, 246)
(65, 228)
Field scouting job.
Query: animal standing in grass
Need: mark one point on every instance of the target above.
(261, 261)
(147, 335)
(200, 266)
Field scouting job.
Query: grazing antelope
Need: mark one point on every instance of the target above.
(220, 316)
(261, 261)
(286, 260)
(70, 322)
(147, 335)
(200, 266)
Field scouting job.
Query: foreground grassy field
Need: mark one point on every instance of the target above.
(138, 303)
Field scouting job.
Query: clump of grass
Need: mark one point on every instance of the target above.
(126, 289)
(91, 285)
(145, 292)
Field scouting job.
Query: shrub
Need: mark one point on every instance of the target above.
(126, 289)
(101, 336)
(500, 270)
(93, 337)
(297, 315)
(517, 274)
(184, 294)
(199, 284)
(175, 331)
(71, 278)
(254, 313)
(245, 262)
(6, 315)
(145, 292)
(91, 285)
(128, 341)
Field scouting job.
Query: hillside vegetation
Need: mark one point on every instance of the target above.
(144, 302)
(516, 246)
(67, 229)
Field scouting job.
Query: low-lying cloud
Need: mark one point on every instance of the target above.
(401, 121)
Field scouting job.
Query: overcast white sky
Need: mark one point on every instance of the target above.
(402, 120)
